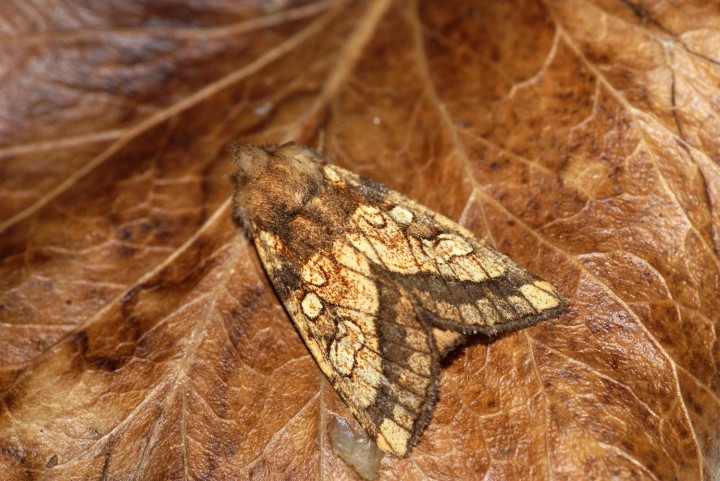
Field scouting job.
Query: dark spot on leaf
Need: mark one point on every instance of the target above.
(124, 233)
(79, 341)
(52, 462)
(106, 363)
(126, 251)
(15, 453)
(130, 294)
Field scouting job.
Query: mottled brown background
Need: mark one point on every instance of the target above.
(139, 338)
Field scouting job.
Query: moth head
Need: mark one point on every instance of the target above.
(274, 182)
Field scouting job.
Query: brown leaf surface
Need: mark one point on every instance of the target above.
(139, 338)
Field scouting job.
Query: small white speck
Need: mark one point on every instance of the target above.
(263, 110)
(376, 120)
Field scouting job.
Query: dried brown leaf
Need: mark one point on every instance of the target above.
(139, 337)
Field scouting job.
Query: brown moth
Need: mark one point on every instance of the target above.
(379, 287)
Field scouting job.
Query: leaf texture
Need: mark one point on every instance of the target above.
(140, 339)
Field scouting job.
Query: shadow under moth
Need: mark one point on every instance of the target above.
(380, 287)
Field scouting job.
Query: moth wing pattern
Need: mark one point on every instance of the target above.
(379, 287)
(459, 282)
(365, 335)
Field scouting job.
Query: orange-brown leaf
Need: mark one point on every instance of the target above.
(140, 339)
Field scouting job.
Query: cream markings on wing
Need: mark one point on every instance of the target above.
(403, 417)
(423, 258)
(348, 341)
(353, 362)
(395, 436)
(416, 339)
(312, 335)
(313, 273)
(365, 322)
(361, 243)
(370, 214)
(272, 244)
(359, 376)
(332, 176)
(272, 241)
(537, 294)
(467, 269)
(401, 215)
(467, 264)
(312, 305)
(546, 286)
(488, 264)
(322, 327)
(367, 375)
(351, 257)
(387, 241)
(342, 286)
(450, 245)
(420, 362)
(521, 305)
(445, 339)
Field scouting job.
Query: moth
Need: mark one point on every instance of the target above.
(379, 287)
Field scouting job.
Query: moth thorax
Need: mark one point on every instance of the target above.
(272, 186)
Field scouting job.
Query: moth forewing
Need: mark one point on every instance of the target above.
(379, 287)
(463, 284)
